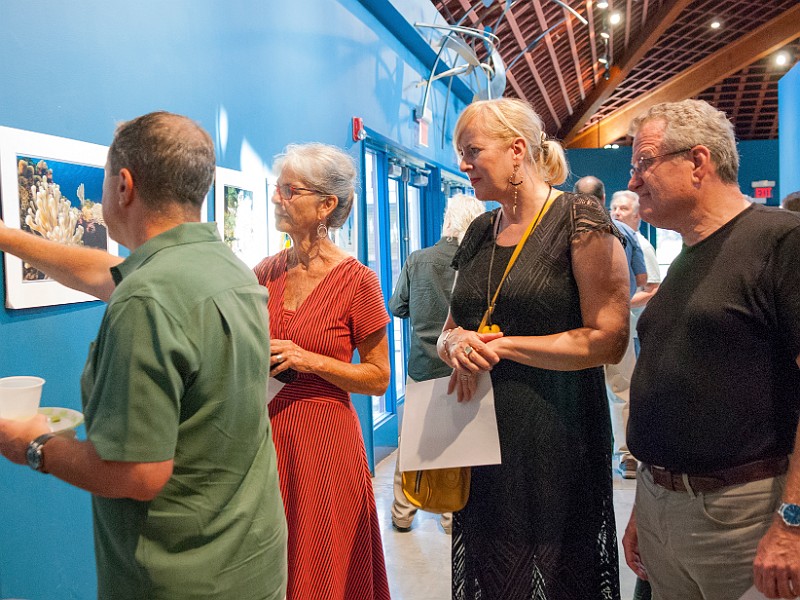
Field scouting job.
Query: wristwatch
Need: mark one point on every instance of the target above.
(34, 452)
(790, 513)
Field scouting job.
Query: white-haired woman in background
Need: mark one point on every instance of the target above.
(323, 305)
(422, 295)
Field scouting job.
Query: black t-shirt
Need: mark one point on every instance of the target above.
(717, 384)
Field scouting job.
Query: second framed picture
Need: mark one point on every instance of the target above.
(240, 209)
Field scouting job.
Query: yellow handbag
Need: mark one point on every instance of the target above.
(437, 490)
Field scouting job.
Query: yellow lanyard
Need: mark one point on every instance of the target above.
(486, 325)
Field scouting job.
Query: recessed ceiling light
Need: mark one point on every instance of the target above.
(615, 18)
(607, 147)
(781, 59)
(715, 25)
(605, 35)
(602, 4)
(614, 146)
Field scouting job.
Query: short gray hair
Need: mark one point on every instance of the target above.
(325, 168)
(460, 212)
(170, 157)
(632, 196)
(692, 123)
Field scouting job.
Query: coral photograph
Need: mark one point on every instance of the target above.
(60, 201)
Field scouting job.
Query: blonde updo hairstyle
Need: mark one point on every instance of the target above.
(325, 168)
(506, 119)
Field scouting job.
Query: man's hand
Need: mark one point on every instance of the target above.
(776, 568)
(16, 435)
(630, 544)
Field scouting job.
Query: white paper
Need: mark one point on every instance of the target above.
(273, 387)
(440, 432)
(754, 594)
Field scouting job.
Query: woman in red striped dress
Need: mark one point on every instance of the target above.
(324, 304)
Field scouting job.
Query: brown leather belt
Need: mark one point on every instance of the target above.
(716, 480)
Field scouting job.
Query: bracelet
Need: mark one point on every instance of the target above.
(447, 333)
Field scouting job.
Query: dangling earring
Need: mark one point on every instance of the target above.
(515, 185)
(322, 230)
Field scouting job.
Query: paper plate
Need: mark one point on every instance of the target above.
(61, 419)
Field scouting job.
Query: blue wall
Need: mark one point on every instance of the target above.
(758, 161)
(281, 72)
(789, 130)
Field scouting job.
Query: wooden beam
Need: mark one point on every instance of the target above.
(700, 76)
(640, 45)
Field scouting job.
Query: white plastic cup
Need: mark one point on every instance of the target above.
(20, 396)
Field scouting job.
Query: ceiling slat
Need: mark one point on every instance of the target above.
(576, 60)
(548, 40)
(512, 22)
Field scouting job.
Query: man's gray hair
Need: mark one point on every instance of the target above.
(325, 168)
(461, 211)
(691, 123)
(632, 196)
(169, 156)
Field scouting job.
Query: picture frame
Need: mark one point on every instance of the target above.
(241, 212)
(52, 187)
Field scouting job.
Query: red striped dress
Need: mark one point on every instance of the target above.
(335, 550)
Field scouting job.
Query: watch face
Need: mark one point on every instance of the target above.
(790, 514)
(34, 456)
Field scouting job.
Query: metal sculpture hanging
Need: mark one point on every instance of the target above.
(486, 78)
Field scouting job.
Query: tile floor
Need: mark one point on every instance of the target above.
(418, 562)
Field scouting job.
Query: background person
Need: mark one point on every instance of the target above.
(541, 524)
(792, 202)
(179, 457)
(625, 208)
(618, 375)
(422, 294)
(714, 398)
(323, 305)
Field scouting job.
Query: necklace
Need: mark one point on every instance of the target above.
(489, 301)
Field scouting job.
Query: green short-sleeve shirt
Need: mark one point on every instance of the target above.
(179, 371)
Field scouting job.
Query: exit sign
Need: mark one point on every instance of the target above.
(762, 190)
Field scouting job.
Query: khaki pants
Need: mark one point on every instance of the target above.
(701, 546)
(402, 510)
(618, 389)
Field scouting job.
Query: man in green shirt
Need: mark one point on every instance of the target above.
(179, 456)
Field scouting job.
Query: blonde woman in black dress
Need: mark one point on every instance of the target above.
(541, 524)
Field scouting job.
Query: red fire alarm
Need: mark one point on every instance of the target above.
(359, 133)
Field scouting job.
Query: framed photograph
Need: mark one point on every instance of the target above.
(240, 209)
(51, 187)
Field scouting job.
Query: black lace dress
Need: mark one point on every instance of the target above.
(541, 525)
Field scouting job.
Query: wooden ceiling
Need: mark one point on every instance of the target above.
(661, 50)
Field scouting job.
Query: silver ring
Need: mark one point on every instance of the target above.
(279, 357)
(468, 350)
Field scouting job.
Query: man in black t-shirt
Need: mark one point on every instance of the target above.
(715, 396)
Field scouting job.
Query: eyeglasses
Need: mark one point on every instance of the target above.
(286, 191)
(643, 162)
